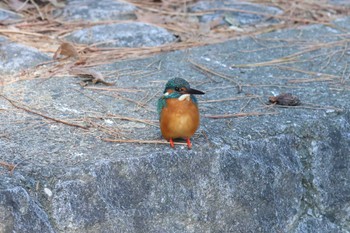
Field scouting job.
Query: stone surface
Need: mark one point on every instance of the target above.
(343, 23)
(8, 15)
(123, 35)
(91, 10)
(20, 213)
(15, 57)
(236, 13)
(340, 2)
(285, 171)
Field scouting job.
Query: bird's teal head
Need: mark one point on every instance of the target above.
(177, 88)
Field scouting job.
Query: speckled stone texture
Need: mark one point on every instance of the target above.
(94, 11)
(123, 35)
(236, 13)
(6, 15)
(286, 170)
(16, 57)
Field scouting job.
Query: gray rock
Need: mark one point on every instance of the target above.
(232, 17)
(339, 2)
(332, 167)
(343, 23)
(209, 190)
(287, 171)
(19, 213)
(123, 35)
(317, 224)
(16, 57)
(2, 39)
(8, 15)
(97, 10)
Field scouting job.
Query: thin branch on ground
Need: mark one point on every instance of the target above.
(205, 69)
(140, 141)
(311, 106)
(240, 114)
(229, 99)
(119, 117)
(12, 102)
(11, 167)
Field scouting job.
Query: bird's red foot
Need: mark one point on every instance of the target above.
(189, 144)
(171, 142)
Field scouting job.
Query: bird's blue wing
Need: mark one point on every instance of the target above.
(194, 99)
(161, 104)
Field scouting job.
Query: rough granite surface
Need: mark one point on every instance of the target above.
(237, 13)
(122, 35)
(16, 57)
(8, 15)
(94, 11)
(276, 170)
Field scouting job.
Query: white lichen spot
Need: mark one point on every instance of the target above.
(65, 109)
(185, 97)
(48, 192)
(220, 63)
(109, 122)
(206, 58)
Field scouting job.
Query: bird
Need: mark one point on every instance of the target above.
(178, 111)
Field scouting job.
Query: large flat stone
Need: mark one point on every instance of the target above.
(91, 10)
(123, 35)
(236, 13)
(15, 57)
(286, 171)
(8, 15)
(20, 213)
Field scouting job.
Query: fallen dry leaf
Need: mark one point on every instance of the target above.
(66, 49)
(89, 75)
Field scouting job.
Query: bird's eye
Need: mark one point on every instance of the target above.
(177, 89)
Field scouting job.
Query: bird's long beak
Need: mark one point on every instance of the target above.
(194, 92)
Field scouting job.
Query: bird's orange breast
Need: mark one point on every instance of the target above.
(179, 119)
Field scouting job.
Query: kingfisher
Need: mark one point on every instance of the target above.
(178, 111)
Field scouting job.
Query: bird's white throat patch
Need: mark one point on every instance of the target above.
(185, 97)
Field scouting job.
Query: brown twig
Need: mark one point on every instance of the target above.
(114, 89)
(147, 122)
(292, 58)
(89, 97)
(112, 131)
(12, 102)
(310, 106)
(283, 60)
(140, 141)
(24, 33)
(172, 13)
(133, 101)
(205, 69)
(38, 9)
(228, 99)
(287, 18)
(246, 104)
(9, 166)
(240, 114)
(308, 72)
(309, 80)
